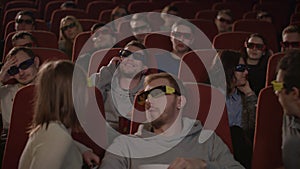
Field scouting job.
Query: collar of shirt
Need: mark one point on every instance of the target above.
(295, 123)
(234, 96)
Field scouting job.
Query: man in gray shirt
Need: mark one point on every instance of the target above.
(287, 88)
(120, 80)
(167, 138)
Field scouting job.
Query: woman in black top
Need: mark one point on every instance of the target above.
(257, 54)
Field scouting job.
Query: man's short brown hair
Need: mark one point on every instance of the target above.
(174, 81)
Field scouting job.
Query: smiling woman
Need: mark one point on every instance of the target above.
(69, 29)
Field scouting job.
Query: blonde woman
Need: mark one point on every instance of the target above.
(69, 29)
(50, 144)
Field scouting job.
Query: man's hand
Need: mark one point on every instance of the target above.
(180, 163)
(90, 158)
(115, 61)
(4, 76)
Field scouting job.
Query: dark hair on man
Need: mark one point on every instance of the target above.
(27, 13)
(97, 26)
(169, 8)
(115, 12)
(139, 45)
(290, 64)
(100, 26)
(136, 43)
(173, 80)
(22, 35)
(226, 12)
(263, 14)
(291, 29)
(139, 16)
(68, 4)
(15, 50)
(184, 22)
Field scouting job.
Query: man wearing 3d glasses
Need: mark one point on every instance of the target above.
(21, 65)
(102, 38)
(182, 39)
(170, 139)
(290, 38)
(287, 88)
(120, 80)
(25, 20)
(224, 20)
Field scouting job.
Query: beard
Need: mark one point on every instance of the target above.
(167, 117)
(182, 49)
(157, 123)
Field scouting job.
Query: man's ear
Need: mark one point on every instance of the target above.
(296, 93)
(37, 62)
(181, 102)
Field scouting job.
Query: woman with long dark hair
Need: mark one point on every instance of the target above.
(257, 54)
(240, 103)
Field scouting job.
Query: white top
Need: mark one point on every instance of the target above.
(53, 148)
(7, 95)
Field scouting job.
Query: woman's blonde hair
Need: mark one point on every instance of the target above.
(54, 101)
(68, 43)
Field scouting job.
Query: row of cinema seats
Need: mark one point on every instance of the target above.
(267, 135)
(219, 41)
(94, 8)
(268, 30)
(189, 10)
(42, 25)
(267, 143)
(242, 30)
